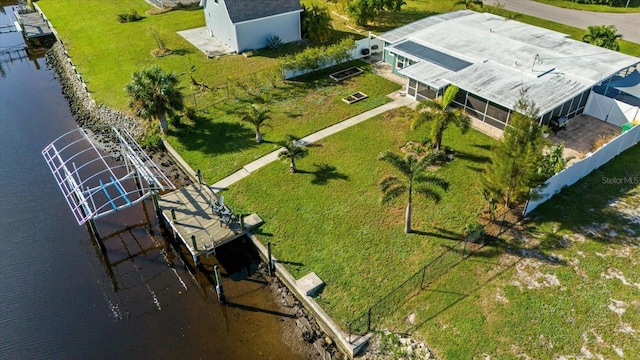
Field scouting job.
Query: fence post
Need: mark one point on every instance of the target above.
(424, 271)
(349, 329)
(270, 261)
(369, 321)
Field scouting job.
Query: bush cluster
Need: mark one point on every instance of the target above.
(316, 58)
(129, 17)
(617, 3)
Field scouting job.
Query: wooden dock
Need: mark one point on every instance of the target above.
(197, 217)
(35, 28)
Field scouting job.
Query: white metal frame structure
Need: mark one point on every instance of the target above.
(101, 170)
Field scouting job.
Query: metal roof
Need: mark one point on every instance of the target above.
(429, 73)
(402, 32)
(507, 52)
(433, 56)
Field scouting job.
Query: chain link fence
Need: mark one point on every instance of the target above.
(420, 280)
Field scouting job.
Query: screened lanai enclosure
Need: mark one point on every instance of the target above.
(492, 60)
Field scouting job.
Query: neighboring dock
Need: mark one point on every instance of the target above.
(35, 28)
(201, 220)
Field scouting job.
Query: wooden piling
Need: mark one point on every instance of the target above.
(219, 290)
(270, 264)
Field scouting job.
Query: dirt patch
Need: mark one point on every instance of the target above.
(617, 306)
(613, 273)
(528, 275)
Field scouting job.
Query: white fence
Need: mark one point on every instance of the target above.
(610, 110)
(373, 45)
(582, 168)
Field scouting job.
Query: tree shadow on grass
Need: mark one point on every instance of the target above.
(206, 135)
(482, 159)
(483, 146)
(323, 173)
(440, 307)
(440, 233)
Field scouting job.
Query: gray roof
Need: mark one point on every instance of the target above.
(244, 10)
(429, 73)
(508, 55)
(433, 56)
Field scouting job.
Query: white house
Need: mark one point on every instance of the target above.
(248, 24)
(491, 58)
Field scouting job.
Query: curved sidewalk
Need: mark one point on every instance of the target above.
(273, 156)
(627, 24)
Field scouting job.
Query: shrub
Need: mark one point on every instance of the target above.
(129, 17)
(315, 58)
(274, 43)
(152, 139)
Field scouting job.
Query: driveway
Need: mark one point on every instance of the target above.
(627, 24)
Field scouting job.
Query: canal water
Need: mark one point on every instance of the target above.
(62, 298)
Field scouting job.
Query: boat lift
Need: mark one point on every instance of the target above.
(101, 170)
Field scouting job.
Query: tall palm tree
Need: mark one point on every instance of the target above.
(605, 36)
(414, 179)
(292, 151)
(154, 94)
(438, 113)
(256, 117)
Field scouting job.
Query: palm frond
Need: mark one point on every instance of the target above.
(393, 193)
(432, 180)
(388, 182)
(448, 96)
(397, 161)
(428, 193)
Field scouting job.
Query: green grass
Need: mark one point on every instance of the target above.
(329, 218)
(218, 143)
(634, 6)
(331, 222)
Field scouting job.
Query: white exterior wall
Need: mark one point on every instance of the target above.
(365, 43)
(584, 167)
(219, 23)
(610, 110)
(253, 34)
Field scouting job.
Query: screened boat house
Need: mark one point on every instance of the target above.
(492, 59)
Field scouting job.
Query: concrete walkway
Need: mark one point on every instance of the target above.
(627, 24)
(273, 156)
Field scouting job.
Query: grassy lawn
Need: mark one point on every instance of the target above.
(329, 219)
(571, 283)
(634, 6)
(218, 143)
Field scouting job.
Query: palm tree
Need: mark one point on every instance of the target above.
(470, 4)
(414, 179)
(154, 94)
(316, 23)
(437, 111)
(605, 36)
(256, 117)
(292, 150)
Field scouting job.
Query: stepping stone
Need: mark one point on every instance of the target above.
(310, 283)
(252, 221)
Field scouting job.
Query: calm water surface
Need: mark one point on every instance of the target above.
(60, 297)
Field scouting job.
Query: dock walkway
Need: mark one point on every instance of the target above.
(196, 217)
(35, 28)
